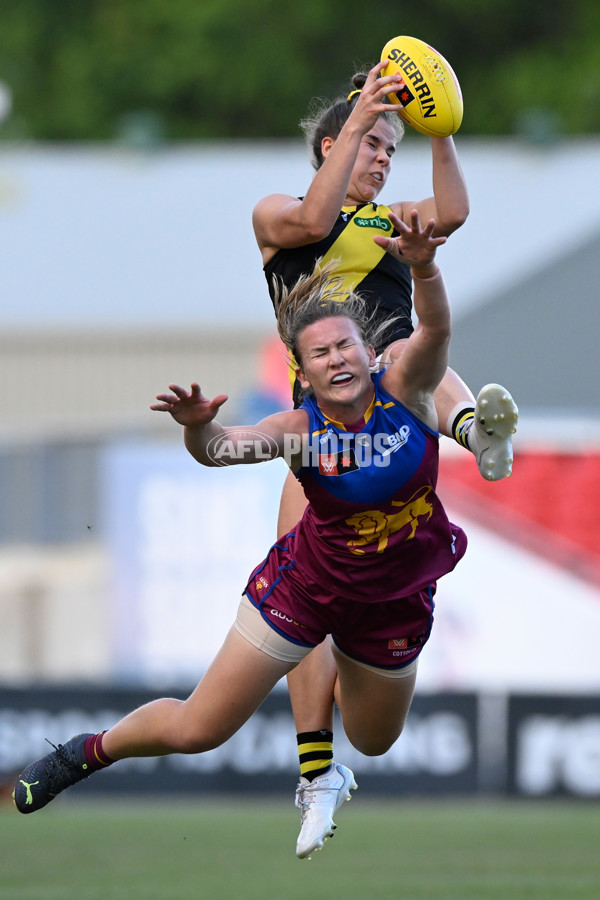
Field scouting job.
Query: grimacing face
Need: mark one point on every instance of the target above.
(372, 165)
(335, 362)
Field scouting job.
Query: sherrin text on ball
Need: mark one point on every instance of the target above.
(431, 99)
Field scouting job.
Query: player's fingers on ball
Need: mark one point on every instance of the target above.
(395, 79)
(377, 68)
(385, 89)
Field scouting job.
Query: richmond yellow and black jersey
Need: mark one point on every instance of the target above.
(364, 266)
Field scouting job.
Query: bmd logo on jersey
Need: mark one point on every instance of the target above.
(396, 441)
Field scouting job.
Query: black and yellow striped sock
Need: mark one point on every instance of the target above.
(315, 751)
(462, 425)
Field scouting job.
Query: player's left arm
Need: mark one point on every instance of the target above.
(449, 205)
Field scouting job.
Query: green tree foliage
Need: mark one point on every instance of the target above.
(88, 69)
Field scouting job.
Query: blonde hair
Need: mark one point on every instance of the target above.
(321, 295)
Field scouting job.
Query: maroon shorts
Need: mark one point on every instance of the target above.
(387, 634)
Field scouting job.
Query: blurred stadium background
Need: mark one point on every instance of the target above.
(129, 262)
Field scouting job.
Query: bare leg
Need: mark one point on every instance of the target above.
(451, 395)
(373, 707)
(291, 506)
(235, 685)
(311, 692)
(232, 689)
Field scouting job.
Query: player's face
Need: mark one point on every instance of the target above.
(336, 364)
(373, 163)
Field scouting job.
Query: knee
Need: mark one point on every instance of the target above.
(192, 737)
(372, 748)
(374, 743)
(190, 742)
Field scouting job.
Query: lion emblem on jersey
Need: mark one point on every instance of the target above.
(375, 525)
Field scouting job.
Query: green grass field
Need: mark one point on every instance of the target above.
(244, 849)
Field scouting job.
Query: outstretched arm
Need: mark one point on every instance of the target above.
(449, 205)
(414, 376)
(197, 414)
(212, 444)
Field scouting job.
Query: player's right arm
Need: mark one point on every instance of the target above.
(282, 221)
(213, 444)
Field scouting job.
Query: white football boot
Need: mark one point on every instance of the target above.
(490, 435)
(317, 801)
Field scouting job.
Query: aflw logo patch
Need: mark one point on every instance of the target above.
(337, 463)
(404, 643)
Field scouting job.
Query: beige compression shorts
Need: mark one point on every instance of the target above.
(259, 633)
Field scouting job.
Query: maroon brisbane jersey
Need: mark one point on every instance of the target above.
(374, 531)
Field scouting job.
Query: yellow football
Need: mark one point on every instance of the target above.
(431, 100)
